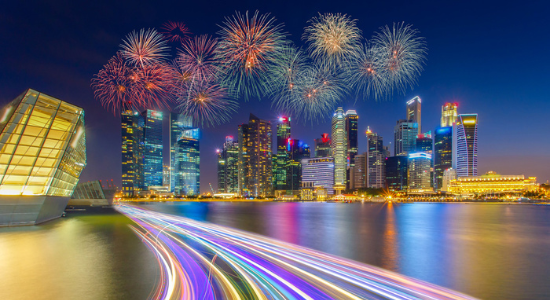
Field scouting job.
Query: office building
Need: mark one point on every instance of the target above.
(338, 149)
(443, 154)
(465, 145)
(42, 154)
(419, 179)
(449, 114)
(405, 133)
(228, 171)
(320, 171)
(492, 183)
(376, 163)
(187, 163)
(351, 133)
(396, 173)
(132, 152)
(322, 146)
(414, 112)
(448, 175)
(255, 158)
(152, 149)
(281, 159)
(297, 151)
(178, 124)
(358, 173)
(166, 176)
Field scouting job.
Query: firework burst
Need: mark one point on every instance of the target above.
(196, 59)
(403, 53)
(145, 48)
(247, 48)
(114, 87)
(175, 31)
(208, 103)
(367, 74)
(332, 38)
(153, 84)
(285, 74)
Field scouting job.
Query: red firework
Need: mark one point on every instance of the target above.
(175, 31)
(145, 48)
(196, 58)
(154, 85)
(114, 87)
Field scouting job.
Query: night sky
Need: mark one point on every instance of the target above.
(490, 57)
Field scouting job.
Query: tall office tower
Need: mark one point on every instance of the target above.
(443, 154)
(43, 153)
(351, 133)
(387, 152)
(338, 147)
(187, 174)
(297, 151)
(132, 152)
(255, 159)
(448, 175)
(322, 146)
(166, 176)
(419, 166)
(414, 112)
(465, 145)
(320, 171)
(396, 173)
(424, 143)
(376, 163)
(405, 133)
(178, 124)
(152, 151)
(358, 173)
(281, 158)
(228, 170)
(449, 114)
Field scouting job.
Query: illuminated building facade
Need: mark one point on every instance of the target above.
(449, 114)
(465, 145)
(448, 175)
(152, 148)
(297, 151)
(339, 148)
(443, 154)
(281, 159)
(42, 154)
(351, 133)
(419, 165)
(414, 111)
(492, 183)
(405, 133)
(255, 158)
(376, 163)
(320, 171)
(166, 176)
(228, 171)
(396, 173)
(132, 152)
(358, 173)
(179, 123)
(187, 163)
(322, 146)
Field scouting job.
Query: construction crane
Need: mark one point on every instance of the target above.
(211, 188)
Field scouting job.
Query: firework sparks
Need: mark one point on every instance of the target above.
(403, 54)
(332, 38)
(196, 59)
(145, 48)
(114, 87)
(175, 31)
(207, 102)
(285, 75)
(247, 48)
(366, 73)
(154, 84)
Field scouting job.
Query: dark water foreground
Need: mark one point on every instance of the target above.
(491, 251)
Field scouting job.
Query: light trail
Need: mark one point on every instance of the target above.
(200, 260)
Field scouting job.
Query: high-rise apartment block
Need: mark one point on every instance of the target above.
(228, 171)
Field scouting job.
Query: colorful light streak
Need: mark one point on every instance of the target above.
(205, 261)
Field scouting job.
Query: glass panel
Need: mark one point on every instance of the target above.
(43, 171)
(15, 179)
(6, 189)
(8, 148)
(5, 158)
(19, 170)
(33, 190)
(37, 180)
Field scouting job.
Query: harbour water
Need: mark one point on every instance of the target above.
(490, 251)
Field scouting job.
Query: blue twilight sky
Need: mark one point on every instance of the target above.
(489, 56)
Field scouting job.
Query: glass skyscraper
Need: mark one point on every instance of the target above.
(405, 133)
(322, 146)
(376, 161)
(449, 114)
(339, 148)
(414, 112)
(443, 154)
(297, 150)
(465, 145)
(187, 163)
(152, 149)
(179, 124)
(132, 152)
(228, 170)
(42, 154)
(419, 166)
(396, 173)
(282, 157)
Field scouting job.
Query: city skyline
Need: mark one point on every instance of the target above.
(475, 84)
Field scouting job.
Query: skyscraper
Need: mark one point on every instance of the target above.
(414, 112)
(322, 146)
(228, 170)
(282, 157)
(339, 148)
(443, 154)
(320, 171)
(424, 143)
(255, 159)
(449, 114)
(178, 124)
(396, 173)
(465, 145)
(376, 168)
(297, 151)
(419, 165)
(152, 151)
(132, 152)
(358, 173)
(405, 133)
(351, 133)
(187, 163)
